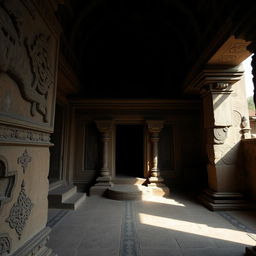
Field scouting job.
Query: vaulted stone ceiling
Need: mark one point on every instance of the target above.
(141, 49)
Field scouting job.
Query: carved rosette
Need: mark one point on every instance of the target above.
(24, 160)
(220, 134)
(5, 244)
(20, 211)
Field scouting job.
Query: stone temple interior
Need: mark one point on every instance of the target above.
(123, 100)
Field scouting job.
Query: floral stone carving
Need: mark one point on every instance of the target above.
(24, 160)
(5, 244)
(20, 211)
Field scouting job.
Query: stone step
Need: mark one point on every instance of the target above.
(75, 201)
(62, 193)
(65, 197)
(124, 192)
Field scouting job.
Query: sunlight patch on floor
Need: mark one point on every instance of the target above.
(162, 200)
(231, 235)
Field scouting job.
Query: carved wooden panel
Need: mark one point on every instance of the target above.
(28, 60)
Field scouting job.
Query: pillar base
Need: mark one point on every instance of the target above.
(37, 245)
(221, 201)
(157, 188)
(103, 183)
(250, 251)
(159, 191)
(156, 180)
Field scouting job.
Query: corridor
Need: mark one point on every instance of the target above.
(153, 227)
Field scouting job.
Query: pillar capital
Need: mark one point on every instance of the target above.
(155, 126)
(215, 79)
(104, 126)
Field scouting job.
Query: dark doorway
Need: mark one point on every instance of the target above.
(129, 150)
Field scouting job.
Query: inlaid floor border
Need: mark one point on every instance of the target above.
(239, 225)
(129, 245)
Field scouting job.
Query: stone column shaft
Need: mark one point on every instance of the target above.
(155, 126)
(105, 126)
(105, 170)
(155, 139)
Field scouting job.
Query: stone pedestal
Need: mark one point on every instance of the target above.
(155, 181)
(104, 180)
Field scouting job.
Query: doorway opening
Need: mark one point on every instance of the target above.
(129, 150)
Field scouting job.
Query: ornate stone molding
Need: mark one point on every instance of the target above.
(7, 182)
(20, 211)
(24, 136)
(23, 160)
(36, 246)
(215, 79)
(5, 244)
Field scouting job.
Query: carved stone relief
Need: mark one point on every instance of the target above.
(43, 79)
(5, 244)
(20, 211)
(23, 160)
(25, 60)
(7, 182)
(220, 134)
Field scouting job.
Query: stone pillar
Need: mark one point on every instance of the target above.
(155, 180)
(222, 148)
(104, 180)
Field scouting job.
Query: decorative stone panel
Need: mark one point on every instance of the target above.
(20, 211)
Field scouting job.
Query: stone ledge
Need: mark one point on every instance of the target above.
(36, 246)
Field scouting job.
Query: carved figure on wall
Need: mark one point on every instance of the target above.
(20, 211)
(7, 182)
(25, 60)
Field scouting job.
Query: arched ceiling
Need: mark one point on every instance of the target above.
(139, 49)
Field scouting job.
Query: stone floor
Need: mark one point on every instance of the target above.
(151, 227)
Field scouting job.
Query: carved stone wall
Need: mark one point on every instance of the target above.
(28, 66)
(28, 51)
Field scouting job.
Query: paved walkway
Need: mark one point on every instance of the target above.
(151, 227)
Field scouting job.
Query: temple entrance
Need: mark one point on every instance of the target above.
(129, 150)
